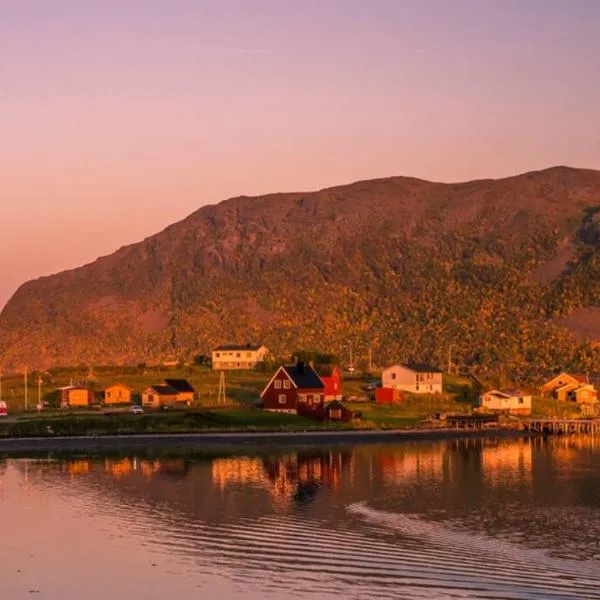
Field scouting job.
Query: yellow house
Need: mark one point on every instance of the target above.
(118, 393)
(561, 380)
(156, 396)
(75, 396)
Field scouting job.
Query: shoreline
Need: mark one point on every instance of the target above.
(216, 440)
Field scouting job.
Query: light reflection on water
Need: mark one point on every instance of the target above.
(462, 519)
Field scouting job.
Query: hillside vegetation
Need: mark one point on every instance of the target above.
(499, 269)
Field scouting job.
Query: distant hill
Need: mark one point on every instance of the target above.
(499, 269)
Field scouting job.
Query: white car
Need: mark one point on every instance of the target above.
(136, 410)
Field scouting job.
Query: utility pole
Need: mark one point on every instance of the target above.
(222, 395)
(40, 392)
(370, 358)
(450, 358)
(351, 360)
(0, 386)
(26, 391)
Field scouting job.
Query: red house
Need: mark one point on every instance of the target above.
(332, 379)
(296, 389)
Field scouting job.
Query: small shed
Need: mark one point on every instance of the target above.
(388, 396)
(336, 411)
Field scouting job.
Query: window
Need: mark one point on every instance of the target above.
(278, 384)
(282, 398)
(218, 355)
(521, 401)
(335, 413)
(393, 375)
(286, 384)
(248, 355)
(238, 355)
(302, 398)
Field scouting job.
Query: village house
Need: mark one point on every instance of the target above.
(296, 389)
(560, 381)
(157, 396)
(75, 396)
(118, 393)
(511, 401)
(413, 377)
(336, 411)
(232, 356)
(571, 388)
(186, 394)
(332, 379)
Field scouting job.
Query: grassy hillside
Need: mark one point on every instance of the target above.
(495, 272)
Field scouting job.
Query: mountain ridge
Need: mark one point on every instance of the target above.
(370, 261)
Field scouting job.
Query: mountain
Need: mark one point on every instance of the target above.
(506, 272)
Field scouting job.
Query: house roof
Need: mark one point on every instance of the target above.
(513, 392)
(581, 378)
(181, 385)
(421, 367)
(251, 347)
(304, 376)
(164, 390)
(335, 404)
(113, 385)
(506, 393)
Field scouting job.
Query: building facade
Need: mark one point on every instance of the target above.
(296, 389)
(157, 396)
(117, 394)
(509, 401)
(413, 378)
(233, 356)
(186, 394)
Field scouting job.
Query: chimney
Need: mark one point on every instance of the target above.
(300, 366)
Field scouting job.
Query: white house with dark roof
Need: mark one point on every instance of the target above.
(415, 378)
(235, 356)
(506, 400)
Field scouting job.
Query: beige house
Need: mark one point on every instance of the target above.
(510, 401)
(75, 395)
(117, 394)
(157, 396)
(413, 378)
(560, 381)
(232, 356)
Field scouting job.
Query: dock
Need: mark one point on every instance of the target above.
(562, 426)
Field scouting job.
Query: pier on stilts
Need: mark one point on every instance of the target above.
(562, 426)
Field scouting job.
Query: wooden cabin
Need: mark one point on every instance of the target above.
(186, 394)
(118, 393)
(157, 396)
(72, 396)
(295, 389)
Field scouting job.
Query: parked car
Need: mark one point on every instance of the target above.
(136, 410)
(3, 409)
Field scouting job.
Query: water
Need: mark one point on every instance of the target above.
(469, 519)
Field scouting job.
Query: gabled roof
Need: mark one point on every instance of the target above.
(505, 393)
(164, 390)
(181, 385)
(301, 375)
(304, 376)
(417, 367)
(239, 347)
(335, 404)
(112, 385)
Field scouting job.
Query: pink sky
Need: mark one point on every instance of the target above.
(119, 117)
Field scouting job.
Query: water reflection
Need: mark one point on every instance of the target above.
(381, 521)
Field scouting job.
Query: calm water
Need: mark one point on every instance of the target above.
(469, 519)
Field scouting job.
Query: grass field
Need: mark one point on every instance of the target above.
(243, 389)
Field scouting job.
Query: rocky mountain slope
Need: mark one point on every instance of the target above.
(499, 269)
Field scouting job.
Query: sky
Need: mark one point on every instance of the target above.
(120, 117)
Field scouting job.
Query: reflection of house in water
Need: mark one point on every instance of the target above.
(399, 464)
(118, 467)
(506, 461)
(291, 477)
(79, 467)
